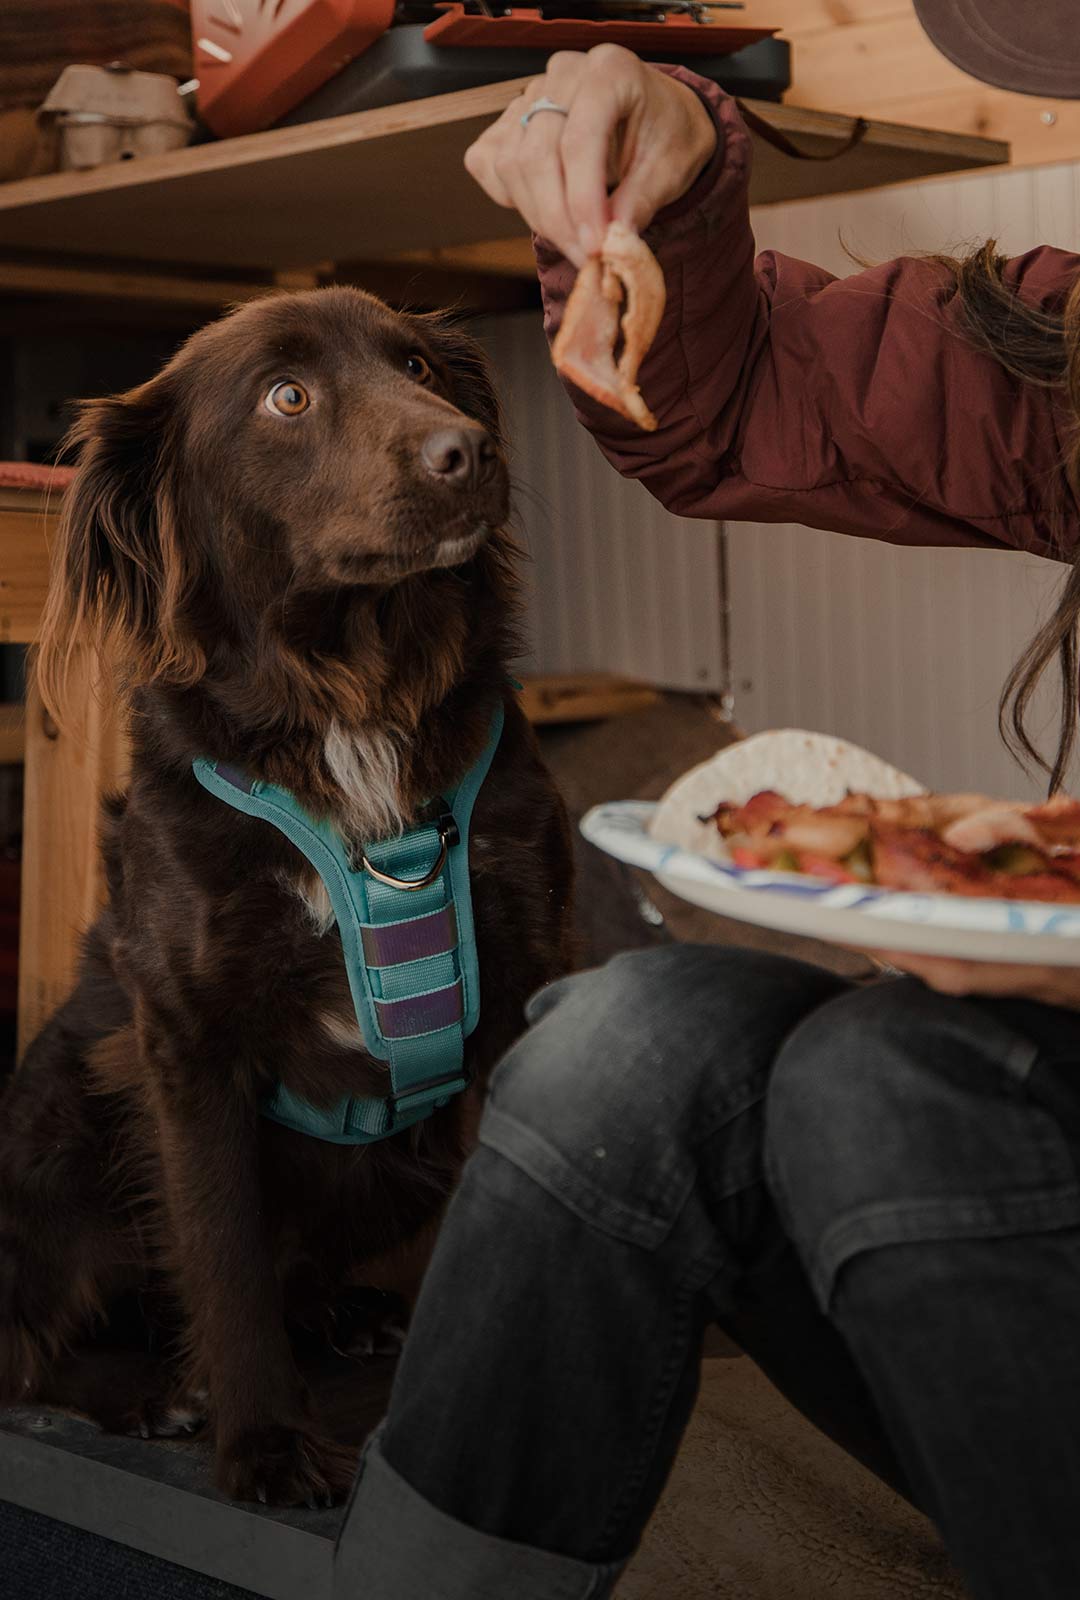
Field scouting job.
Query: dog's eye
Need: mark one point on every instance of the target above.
(287, 399)
(418, 369)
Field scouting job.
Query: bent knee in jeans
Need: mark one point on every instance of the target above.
(628, 1069)
(895, 1115)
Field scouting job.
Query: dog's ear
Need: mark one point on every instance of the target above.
(120, 573)
(470, 371)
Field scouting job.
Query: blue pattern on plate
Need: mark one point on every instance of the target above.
(622, 829)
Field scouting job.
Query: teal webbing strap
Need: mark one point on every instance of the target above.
(410, 952)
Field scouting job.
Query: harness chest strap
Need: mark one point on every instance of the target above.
(406, 924)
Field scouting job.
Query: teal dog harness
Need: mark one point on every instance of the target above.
(404, 912)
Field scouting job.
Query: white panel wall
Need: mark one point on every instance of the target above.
(903, 650)
(614, 583)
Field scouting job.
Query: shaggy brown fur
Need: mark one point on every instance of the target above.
(325, 598)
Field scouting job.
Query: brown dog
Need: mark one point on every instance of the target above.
(292, 544)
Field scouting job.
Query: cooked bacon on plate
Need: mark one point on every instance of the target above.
(594, 321)
(949, 844)
(918, 860)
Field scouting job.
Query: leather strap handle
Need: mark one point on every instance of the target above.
(780, 141)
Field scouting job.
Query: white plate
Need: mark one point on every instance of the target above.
(848, 913)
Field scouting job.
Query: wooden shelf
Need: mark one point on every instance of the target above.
(377, 183)
(851, 54)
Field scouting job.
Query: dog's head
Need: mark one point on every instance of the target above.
(305, 446)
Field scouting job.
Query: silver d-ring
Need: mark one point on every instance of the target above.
(408, 884)
(543, 104)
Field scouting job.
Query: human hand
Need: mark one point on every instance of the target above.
(629, 127)
(1054, 986)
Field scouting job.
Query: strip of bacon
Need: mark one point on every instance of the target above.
(773, 825)
(584, 348)
(943, 844)
(918, 860)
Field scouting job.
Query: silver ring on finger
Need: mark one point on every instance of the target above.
(543, 104)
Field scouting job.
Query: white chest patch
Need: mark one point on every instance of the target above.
(367, 769)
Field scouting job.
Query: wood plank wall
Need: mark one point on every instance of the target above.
(872, 58)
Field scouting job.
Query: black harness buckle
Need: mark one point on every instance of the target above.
(449, 832)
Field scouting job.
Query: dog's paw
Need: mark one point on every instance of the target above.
(280, 1466)
(370, 1322)
(173, 1415)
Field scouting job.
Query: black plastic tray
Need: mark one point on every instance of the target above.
(403, 66)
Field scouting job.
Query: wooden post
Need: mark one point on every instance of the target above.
(62, 881)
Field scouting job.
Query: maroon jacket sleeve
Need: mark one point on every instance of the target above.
(784, 394)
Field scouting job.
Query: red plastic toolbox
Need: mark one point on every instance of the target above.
(256, 59)
(523, 27)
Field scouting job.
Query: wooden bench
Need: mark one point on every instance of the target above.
(66, 773)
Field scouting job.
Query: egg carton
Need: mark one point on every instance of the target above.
(103, 114)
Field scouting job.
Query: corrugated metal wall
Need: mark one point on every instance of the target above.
(902, 650)
(614, 583)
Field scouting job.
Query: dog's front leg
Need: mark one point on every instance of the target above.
(266, 1446)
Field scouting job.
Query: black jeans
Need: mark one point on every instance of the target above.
(874, 1190)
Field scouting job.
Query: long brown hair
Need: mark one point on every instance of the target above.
(1040, 347)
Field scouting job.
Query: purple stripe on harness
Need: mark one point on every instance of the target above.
(432, 935)
(422, 1013)
(233, 775)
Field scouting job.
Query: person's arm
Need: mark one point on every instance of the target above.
(857, 404)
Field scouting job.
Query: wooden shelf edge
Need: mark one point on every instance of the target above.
(967, 148)
(357, 127)
(583, 697)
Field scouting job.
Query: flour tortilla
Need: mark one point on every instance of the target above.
(812, 769)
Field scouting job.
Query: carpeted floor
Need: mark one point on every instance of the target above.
(45, 1560)
(761, 1506)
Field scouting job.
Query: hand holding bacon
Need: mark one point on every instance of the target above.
(584, 348)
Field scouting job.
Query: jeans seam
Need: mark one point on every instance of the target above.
(561, 1179)
(847, 1236)
(683, 1295)
(666, 1377)
(974, 1209)
(729, 1115)
(1051, 1139)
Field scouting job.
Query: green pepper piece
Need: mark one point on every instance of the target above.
(858, 862)
(1016, 859)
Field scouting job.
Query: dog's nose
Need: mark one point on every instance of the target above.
(459, 457)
